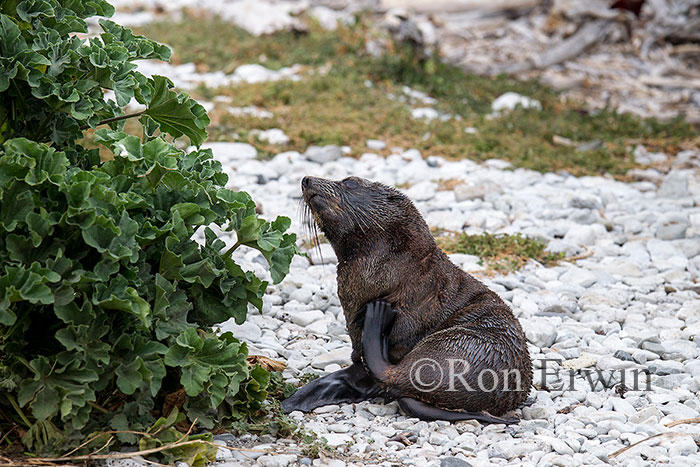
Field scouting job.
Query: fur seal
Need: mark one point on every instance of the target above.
(423, 331)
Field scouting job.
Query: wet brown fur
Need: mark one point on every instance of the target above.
(385, 251)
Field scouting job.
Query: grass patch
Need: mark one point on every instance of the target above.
(334, 104)
(214, 44)
(500, 253)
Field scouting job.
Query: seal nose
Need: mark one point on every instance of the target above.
(305, 182)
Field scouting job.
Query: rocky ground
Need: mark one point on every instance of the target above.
(626, 300)
(631, 304)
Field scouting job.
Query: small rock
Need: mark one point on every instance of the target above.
(438, 439)
(665, 255)
(327, 18)
(336, 439)
(511, 100)
(672, 226)
(323, 154)
(580, 235)
(232, 151)
(327, 409)
(470, 192)
(272, 136)
(683, 446)
(318, 327)
(579, 276)
(425, 113)
(322, 254)
(623, 406)
(280, 460)
(540, 331)
(645, 414)
(675, 185)
(339, 356)
(380, 410)
(584, 361)
(304, 318)
(622, 355)
(665, 367)
(248, 331)
(533, 413)
(375, 144)
(453, 462)
(586, 201)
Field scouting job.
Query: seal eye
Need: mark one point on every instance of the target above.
(350, 184)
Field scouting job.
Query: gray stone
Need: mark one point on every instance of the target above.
(511, 100)
(453, 462)
(327, 409)
(381, 410)
(339, 356)
(675, 185)
(248, 331)
(438, 439)
(540, 331)
(375, 144)
(586, 201)
(665, 367)
(322, 254)
(136, 461)
(623, 406)
(683, 446)
(279, 460)
(645, 414)
(472, 192)
(531, 413)
(231, 151)
(336, 439)
(665, 255)
(272, 136)
(323, 154)
(579, 276)
(672, 226)
(580, 235)
(304, 318)
(622, 355)
(425, 113)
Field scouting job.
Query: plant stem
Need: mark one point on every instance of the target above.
(116, 119)
(98, 407)
(14, 405)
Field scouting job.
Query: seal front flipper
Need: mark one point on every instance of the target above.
(351, 384)
(418, 409)
(379, 317)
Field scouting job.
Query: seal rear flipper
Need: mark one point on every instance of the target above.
(418, 409)
(351, 384)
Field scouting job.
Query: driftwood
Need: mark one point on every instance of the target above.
(589, 34)
(640, 56)
(452, 6)
(663, 82)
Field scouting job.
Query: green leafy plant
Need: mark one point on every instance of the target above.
(107, 302)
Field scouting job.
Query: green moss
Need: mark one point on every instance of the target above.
(499, 252)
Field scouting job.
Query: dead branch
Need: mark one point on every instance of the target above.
(587, 35)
